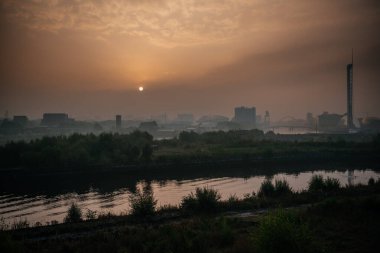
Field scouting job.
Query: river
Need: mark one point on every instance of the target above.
(45, 198)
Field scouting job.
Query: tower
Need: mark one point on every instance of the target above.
(266, 120)
(350, 120)
(118, 121)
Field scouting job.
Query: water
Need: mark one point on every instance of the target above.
(46, 199)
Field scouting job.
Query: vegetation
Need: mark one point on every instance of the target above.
(142, 202)
(74, 214)
(139, 148)
(280, 188)
(283, 231)
(78, 151)
(318, 184)
(204, 200)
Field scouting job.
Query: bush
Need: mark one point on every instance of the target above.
(90, 214)
(283, 232)
(281, 187)
(316, 183)
(331, 184)
(143, 202)
(74, 214)
(371, 181)
(204, 200)
(266, 189)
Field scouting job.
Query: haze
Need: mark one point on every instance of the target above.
(88, 58)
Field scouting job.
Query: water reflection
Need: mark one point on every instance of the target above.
(45, 199)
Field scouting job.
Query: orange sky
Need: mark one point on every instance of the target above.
(87, 58)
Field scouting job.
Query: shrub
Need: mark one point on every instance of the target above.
(143, 202)
(90, 215)
(282, 232)
(281, 187)
(20, 224)
(371, 181)
(316, 183)
(205, 200)
(74, 214)
(331, 184)
(266, 189)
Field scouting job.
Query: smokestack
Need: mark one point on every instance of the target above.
(350, 119)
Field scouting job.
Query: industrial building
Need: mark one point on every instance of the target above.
(55, 119)
(20, 120)
(246, 117)
(350, 118)
(330, 122)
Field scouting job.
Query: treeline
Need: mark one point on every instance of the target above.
(251, 145)
(78, 150)
(118, 150)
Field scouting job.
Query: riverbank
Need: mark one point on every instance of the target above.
(319, 220)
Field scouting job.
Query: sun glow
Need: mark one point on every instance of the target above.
(141, 88)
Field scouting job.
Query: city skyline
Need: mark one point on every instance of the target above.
(88, 59)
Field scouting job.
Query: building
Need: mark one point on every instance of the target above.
(330, 122)
(118, 121)
(148, 126)
(350, 119)
(370, 124)
(55, 119)
(246, 117)
(310, 120)
(20, 120)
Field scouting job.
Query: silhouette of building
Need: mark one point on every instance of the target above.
(266, 120)
(148, 126)
(246, 117)
(310, 120)
(350, 119)
(20, 120)
(370, 124)
(330, 122)
(55, 119)
(118, 121)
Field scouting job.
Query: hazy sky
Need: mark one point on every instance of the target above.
(88, 58)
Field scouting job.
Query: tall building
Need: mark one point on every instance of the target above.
(266, 120)
(118, 121)
(350, 119)
(246, 117)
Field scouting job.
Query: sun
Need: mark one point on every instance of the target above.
(141, 88)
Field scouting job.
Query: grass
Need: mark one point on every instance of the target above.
(283, 231)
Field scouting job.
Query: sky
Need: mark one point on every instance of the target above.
(88, 58)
